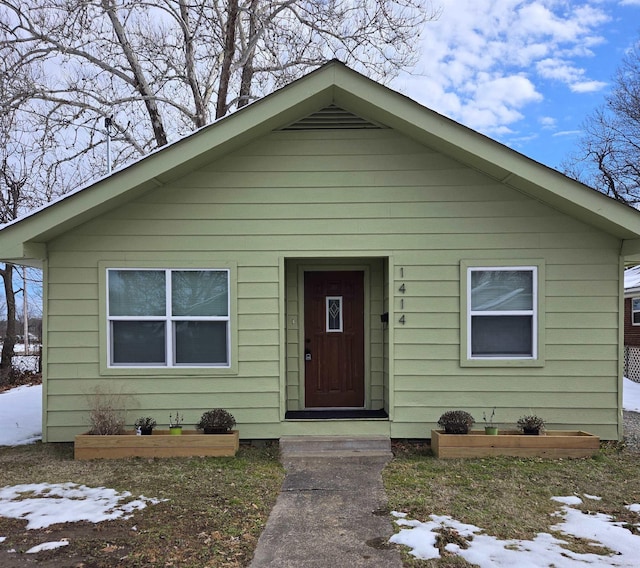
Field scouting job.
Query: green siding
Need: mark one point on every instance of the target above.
(378, 198)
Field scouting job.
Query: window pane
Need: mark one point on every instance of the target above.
(636, 317)
(501, 290)
(138, 342)
(501, 335)
(636, 304)
(334, 313)
(200, 292)
(137, 293)
(201, 342)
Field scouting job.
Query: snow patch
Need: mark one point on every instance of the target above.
(569, 500)
(592, 497)
(47, 546)
(631, 396)
(545, 549)
(44, 504)
(21, 416)
(25, 363)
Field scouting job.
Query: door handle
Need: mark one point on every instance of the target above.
(307, 355)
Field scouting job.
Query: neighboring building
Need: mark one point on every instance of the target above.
(333, 259)
(632, 323)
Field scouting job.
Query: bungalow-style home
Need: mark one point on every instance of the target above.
(632, 323)
(333, 259)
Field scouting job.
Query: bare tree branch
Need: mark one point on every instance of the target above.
(609, 154)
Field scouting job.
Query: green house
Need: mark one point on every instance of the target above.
(333, 259)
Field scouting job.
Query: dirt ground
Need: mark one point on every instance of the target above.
(96, 545)
(22, 379)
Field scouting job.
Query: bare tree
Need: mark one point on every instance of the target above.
(608, 157)
(25, 170)
(12, 182)
(11, 190)
(162, 68)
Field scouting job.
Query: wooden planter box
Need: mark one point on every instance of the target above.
(160, 444)
(551, 444)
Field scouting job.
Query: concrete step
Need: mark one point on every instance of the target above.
(335, 446)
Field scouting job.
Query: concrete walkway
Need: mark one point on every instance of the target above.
(330, 513)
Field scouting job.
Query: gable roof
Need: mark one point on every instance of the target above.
(331, 86)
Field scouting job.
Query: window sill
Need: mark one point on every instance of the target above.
(502, 362)
(166, 371)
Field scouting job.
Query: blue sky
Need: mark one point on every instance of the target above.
(523, 72)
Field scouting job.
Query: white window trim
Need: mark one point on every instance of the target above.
(634, 311)
(533, 312)
(326, 310)
(169, 320)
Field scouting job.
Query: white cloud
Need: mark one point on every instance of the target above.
(574, 77)
(484, 62)
(547, 122)
(567, 133)
(587, 86)
(558, 69)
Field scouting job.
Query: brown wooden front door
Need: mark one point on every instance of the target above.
(334, 339)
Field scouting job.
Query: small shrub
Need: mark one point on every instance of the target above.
(531, 423)
(456, 422)
(216, 420)
(145, 423)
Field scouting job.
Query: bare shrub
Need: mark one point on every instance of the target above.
(107, 414)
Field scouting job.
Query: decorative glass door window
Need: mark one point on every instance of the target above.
(168, 317)
(334, 314)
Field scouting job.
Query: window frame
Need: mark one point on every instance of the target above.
(107, 367)
(536, 267)
(328, 300)
(634, 311)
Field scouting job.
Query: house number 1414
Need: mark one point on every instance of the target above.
(402, 290)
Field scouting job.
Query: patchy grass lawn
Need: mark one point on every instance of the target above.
(509, 498)
(217, 507)
(215, 511)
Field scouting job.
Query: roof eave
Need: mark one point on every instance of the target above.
(30, 254)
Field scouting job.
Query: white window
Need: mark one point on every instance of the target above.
(635, 311)
(168, 317)
(502, 314)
